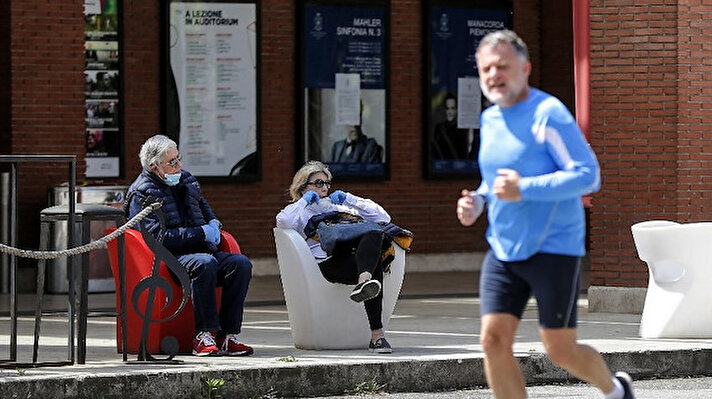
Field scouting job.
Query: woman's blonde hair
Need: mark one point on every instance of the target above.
(299, 182)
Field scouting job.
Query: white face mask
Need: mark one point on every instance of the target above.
(171, 179)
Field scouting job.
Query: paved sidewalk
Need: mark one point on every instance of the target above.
(434, 337)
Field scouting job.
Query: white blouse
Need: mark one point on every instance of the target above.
(296, 215)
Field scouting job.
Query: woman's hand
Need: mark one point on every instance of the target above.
(310, 197)
(337, 197)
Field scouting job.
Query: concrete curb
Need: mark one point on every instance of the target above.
(297, 380)
(616, 299)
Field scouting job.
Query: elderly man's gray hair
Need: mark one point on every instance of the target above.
(507, 37)
(153, 150)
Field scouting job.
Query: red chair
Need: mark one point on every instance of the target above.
(139, 264)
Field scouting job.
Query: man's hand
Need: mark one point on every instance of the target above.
(212, 234)
(217, 226)
(469, 207)
(506, 185)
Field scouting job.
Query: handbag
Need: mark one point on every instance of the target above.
(331, 233)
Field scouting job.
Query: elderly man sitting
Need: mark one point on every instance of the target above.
(192, 233)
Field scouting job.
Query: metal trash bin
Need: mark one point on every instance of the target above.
(100, 277)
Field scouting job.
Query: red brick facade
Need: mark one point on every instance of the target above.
(651, 103)
(44, 113)
(649, 97)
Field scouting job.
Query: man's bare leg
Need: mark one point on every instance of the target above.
(582, 361)
(501, 368)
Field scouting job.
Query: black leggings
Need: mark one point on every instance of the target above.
(354, 257)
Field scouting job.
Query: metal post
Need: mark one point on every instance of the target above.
(13, 160)
(4, 231)
(122, 292)
(13, 264)
(71, 263)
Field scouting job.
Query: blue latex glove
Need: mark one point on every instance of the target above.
(218, 226)
(311, 197)
(338, 197)
(212, 235)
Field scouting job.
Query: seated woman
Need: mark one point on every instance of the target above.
(355, 261)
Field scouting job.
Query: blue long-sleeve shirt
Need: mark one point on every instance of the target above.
(540, 139)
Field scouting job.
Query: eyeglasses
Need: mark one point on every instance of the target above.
(175, 161)
(318, 183)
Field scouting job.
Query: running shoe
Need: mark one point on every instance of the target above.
(231, 346)
(204, 344)
(627, 383)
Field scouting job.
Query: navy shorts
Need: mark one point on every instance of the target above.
(505, 287)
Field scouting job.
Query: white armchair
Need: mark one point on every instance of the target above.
(321, 315)
(678, 303)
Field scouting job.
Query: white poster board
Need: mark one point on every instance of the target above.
(213, 60)
(348, 99)
(102, 90)
(469, 104)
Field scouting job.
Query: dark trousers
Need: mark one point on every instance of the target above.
(230, 271)
(354, 257)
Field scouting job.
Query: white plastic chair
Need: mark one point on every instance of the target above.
(678, 303)
(321, 314)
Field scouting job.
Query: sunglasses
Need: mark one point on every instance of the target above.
(174, 162)
(318, 183)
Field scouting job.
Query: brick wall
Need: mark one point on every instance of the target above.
(528, 25)
(650, 112)
(48, 113)
(248, 209)
(141, 78)
(5, 138)
(47, 86)
(557, 51)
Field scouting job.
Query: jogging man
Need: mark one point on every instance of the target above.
(535, 166)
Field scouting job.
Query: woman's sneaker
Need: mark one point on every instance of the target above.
(231, 346)
(380, 346)
(365, 291)
(204, 344)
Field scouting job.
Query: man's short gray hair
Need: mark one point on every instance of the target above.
(507, 37)
(153, 150)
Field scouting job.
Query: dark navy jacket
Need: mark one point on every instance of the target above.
(184, 208)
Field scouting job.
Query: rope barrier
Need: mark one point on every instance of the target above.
(100, 243)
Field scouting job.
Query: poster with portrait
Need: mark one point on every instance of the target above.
(451, 137)
(211, 87)
(102, 90)
(344, 76)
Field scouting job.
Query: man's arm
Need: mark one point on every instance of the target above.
(150, 222)
(578, 172)
(372, 153)
(336, 151)
(173, 238)
(208, 213)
